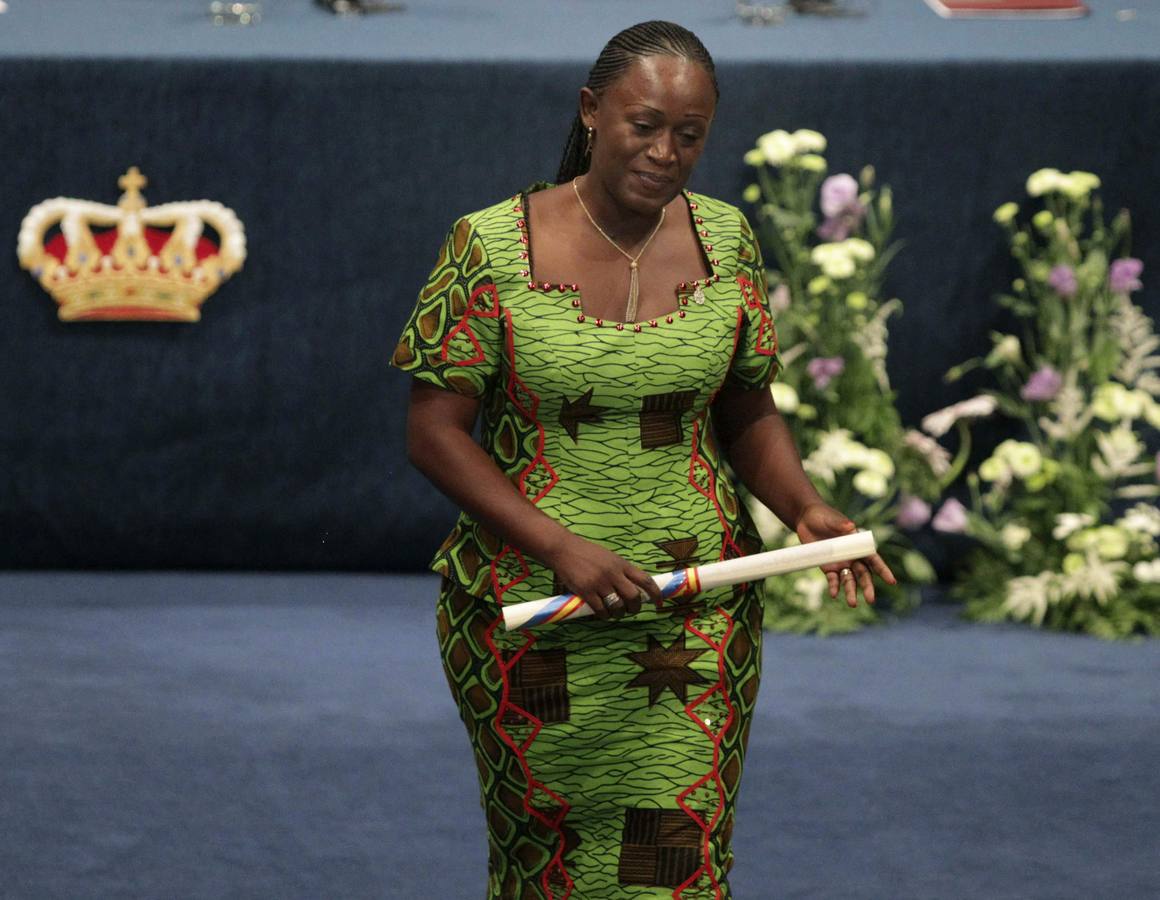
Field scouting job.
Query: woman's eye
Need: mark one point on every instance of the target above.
(642, 126)
(690, 138)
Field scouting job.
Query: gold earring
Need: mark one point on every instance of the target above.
(588, 146)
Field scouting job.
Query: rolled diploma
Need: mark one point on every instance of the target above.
(701, 578)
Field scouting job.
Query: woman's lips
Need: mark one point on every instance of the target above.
(653, 182)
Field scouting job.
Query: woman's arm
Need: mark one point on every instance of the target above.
(761, 449)
(440, 445)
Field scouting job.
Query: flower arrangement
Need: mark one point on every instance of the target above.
(1065, 519)
(827, 242)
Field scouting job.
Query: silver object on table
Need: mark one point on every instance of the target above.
(235, 12)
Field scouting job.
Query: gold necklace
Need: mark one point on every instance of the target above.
(633, 280)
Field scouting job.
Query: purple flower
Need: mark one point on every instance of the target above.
(838, 192)
(1043, 385)
(1062, 281)
(824, 369)
(840, 206)
(951, 518)
(1124, 275)
(913, 512)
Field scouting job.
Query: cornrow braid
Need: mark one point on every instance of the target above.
(646, 39)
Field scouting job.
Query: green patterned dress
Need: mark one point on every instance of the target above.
(609, 753)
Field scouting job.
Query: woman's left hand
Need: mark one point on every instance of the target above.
(819, 521)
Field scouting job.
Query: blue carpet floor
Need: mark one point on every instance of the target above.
(290, 737)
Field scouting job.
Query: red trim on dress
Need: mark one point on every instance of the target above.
(528, 403)
(766, 343)
(464, 325)
(715, 733)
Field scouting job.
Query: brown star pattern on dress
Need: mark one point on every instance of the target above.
(666, 667)
(573, 412)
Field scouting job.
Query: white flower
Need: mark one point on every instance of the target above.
(870, 484)
(1044, 181)
(810, 590)
(806, 141)
(1005, 213)
(939, 422)
(838, 267)
(832, 455)
(1119, 450)
(1113, 402)
(777, 147)
(1078, 185)
(1147, 572)
(1142, 519)
(1094, 579)
(1014, 536)
(935, 454)
(860, 249)
(1069, 523)
(1006, 350)
(785, 398)
(879, 461)
(1024, 459)
(1029, 596)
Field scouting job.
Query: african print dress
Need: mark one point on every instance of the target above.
(609, 753)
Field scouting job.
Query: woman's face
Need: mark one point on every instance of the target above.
(650, 127)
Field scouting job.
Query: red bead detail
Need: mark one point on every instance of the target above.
(669, 319)
(523, 238)
(681, 286)
(716, 277)
(700, 221)
(575, 286)
(520, 223)
(709, 247)
(547, 285)
(681, 313)
(523, 254)
(599, 322)
(531, 285)
(715, 262)
(524, 273)
(636, 328)
(652, 323)
(580, 318)
(684, 301)
(561, 288)
(576, 302)
(620, 326)
(704, 232)
(692, 206)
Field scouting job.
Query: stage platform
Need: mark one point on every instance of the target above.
(252, 736)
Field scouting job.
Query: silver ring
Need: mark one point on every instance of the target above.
(844, 572)
(612, 599)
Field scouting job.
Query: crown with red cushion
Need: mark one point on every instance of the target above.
(131, 261)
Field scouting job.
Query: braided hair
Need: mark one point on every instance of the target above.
(646, 39)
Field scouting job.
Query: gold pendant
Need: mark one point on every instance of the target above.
(699, 295)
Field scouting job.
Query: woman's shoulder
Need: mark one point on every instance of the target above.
(724, 215)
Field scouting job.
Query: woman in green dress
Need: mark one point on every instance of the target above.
(614, 334)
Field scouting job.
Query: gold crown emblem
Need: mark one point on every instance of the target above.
(131, 261)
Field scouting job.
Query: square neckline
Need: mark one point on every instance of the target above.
(524, 224)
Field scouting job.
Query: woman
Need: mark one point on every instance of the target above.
(613, 330)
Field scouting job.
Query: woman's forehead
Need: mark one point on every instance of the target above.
(670, 84)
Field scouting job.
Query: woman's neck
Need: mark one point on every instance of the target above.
(624, 225)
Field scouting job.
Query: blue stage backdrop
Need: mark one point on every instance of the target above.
(270, 434)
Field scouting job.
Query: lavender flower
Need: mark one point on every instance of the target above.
(840, 206)
(1124, 275)
(951, 518)
(913, 512)
(1042, 386)
(1062, 280)
(824, 369)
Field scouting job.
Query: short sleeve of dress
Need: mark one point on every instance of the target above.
(453, 338)
(755, 361)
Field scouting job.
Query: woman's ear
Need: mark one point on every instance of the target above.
(588, 105)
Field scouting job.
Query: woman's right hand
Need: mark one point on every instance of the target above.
(595, 574)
